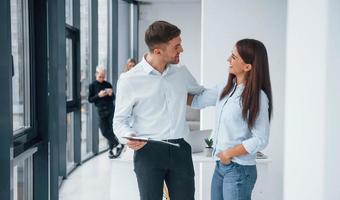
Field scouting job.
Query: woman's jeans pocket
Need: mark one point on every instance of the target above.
(233, 181)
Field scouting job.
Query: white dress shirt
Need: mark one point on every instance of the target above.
(156, 102)
(230, 127)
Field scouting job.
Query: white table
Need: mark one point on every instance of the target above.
(124, 183)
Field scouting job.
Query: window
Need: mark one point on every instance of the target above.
(123, 34)
(69, 11)
(23, 176)
(72, 68)
(21, 65)
(69, 70)
(23, 180)
(103, 41)
(103, 29)
(85, 79)
(72, 92)
(70, 142)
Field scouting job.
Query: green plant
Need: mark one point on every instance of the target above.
(209, 142)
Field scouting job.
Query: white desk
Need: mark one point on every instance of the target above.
(124, 183)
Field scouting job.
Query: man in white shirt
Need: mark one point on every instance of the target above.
(154, 94)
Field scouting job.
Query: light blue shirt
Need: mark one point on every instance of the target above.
(230, 127)
(156, 102)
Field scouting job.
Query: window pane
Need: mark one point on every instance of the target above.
(20, 52)
(69, 69)
(103, 34)
(18, 182)
(23, 180)
(123, 34)
(70, 142)
(85, 79)
(69, 11)
(103, 49)
(86, 126)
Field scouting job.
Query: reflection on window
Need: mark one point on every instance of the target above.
(103, 34)
(70, 142)
(20, 52)
(69, 69)
(69, 11)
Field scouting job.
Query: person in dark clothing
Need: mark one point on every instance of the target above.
(101, 94)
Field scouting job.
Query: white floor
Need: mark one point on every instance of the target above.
(102, 178)
(90, 181)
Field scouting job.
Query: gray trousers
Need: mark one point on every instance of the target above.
(157, 162)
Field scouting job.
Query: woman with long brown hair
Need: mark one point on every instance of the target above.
(243, 113)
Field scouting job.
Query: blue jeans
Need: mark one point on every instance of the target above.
(233, 181)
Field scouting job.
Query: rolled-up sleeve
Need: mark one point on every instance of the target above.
(207, 98)
(260, 131)
(123, 110)
(192, 86)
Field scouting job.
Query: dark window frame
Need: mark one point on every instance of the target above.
(73, 34)
(29, 137)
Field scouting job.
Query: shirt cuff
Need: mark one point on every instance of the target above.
(250, 145)
(195, 102)
(123, 131)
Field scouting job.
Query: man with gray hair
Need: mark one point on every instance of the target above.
(101, 94)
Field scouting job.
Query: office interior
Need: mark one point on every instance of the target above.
(50, 143)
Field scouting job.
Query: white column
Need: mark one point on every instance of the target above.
(312, 101)
(332, 132)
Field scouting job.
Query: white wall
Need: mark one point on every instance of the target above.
(224, 22)
(312, 125)
(333, 102)
(185, 15)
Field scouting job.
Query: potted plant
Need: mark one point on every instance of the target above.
(208, 148)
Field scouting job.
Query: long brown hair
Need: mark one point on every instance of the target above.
(252, 52)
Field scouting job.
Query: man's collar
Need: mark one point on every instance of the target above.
(146, 66)
(150, 70)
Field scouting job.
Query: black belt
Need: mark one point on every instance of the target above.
(175, 140)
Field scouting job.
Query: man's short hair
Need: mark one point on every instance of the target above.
(100, 68)
(160, 32)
